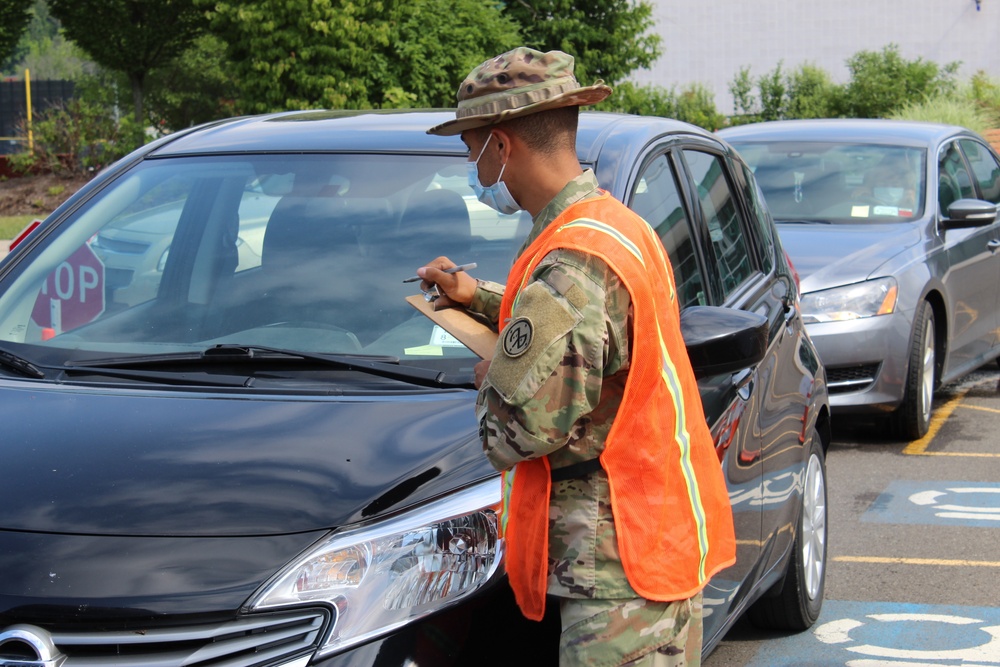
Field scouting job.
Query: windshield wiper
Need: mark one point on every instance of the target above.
(801, 221)
(382, 366)
(21, 365)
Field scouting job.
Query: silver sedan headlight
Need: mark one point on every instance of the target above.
(850, 302)
(383, 575)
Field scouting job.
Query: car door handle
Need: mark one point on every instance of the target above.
(743, 381)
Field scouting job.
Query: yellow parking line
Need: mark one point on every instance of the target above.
(940, 416)
(981, 408)
(938, 419)
(916, 561)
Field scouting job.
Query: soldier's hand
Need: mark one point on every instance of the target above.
(456, 289)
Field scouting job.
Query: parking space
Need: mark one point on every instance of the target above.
(914, 547)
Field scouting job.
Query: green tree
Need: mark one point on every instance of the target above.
(610, 39)
(883, 81)
(694, 103)
(45, 51)
(194, 88)
(130, 36)
(355, 54)
(14, 18)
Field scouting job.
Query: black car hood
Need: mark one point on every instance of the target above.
(173, 463)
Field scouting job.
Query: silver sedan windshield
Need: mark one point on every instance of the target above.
(839, 181)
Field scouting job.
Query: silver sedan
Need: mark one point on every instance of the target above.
(892, 226)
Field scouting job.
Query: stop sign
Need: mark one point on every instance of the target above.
(73, 294)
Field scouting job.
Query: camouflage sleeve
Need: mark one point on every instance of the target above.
(544, 380)
(486, 300)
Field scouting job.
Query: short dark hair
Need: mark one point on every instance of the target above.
(546, 131)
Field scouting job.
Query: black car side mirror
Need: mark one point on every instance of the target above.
(723, 340)
(966, 213)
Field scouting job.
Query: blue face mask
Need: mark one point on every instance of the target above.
(496, 196)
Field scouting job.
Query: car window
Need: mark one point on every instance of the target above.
(657, 198)
(985, 168)
(730, 261)
(954, 181)
(307, 252)
(761, 219)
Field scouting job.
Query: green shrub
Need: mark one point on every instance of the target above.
(805, 92)
(694, 103)
(78, 137)
(811, 93)
(959, 108)
(883, 82)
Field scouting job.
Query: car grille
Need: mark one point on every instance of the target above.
(250, 641)
(851, 378)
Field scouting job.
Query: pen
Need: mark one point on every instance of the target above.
(454, 269)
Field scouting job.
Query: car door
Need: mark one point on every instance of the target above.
(971, 275)
(986, 177)
(730, 401)
(747, 273)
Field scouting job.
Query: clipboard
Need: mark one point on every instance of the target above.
(470, 331)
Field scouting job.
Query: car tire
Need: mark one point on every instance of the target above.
(795, 601)
(912, 419)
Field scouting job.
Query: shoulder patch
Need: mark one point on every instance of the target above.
(517, 337)
(563, 285)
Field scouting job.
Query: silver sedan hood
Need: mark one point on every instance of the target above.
(828, 255)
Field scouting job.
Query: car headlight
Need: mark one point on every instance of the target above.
(850, 302)
(383, 575)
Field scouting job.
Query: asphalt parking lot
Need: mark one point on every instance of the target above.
(914, 546)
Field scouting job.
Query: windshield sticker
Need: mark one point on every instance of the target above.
(442, 338)
(424, 351)
(886, 210)
(859, 211)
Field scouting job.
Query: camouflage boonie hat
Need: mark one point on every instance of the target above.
(517, 83)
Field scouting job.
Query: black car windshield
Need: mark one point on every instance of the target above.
(838, 182)
(298, 252)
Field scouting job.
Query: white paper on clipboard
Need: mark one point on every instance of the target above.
(459, 323)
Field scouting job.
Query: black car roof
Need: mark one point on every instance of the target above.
(873, 131)
(392, 131)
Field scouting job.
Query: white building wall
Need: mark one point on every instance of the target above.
(708, 41)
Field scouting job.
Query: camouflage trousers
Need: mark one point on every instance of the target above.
(632, 633)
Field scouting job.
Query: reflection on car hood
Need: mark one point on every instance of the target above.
(225, 465)
(837, 254)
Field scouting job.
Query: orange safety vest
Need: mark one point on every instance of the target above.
(668, 496)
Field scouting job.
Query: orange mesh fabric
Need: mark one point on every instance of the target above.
(668, 495)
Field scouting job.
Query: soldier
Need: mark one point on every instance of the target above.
(615, 503)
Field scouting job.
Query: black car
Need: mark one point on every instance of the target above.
(230, 441)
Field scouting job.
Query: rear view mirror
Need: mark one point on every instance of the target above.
(723, 340)
(965, 213)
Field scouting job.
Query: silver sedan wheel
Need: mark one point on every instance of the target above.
(927, 372)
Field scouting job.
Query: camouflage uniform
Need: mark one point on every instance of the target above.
(564, 410)
(565, 405)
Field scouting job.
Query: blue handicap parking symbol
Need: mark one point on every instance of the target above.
(881, 634)
(937, 503)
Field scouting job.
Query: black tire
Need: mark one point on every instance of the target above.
(794, 602)
(912, 418)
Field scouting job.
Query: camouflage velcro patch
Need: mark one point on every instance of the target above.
(517, 378)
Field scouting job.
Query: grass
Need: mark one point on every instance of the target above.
(962, 111)
(11, 225)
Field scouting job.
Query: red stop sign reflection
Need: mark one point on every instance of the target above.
(73, 294)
